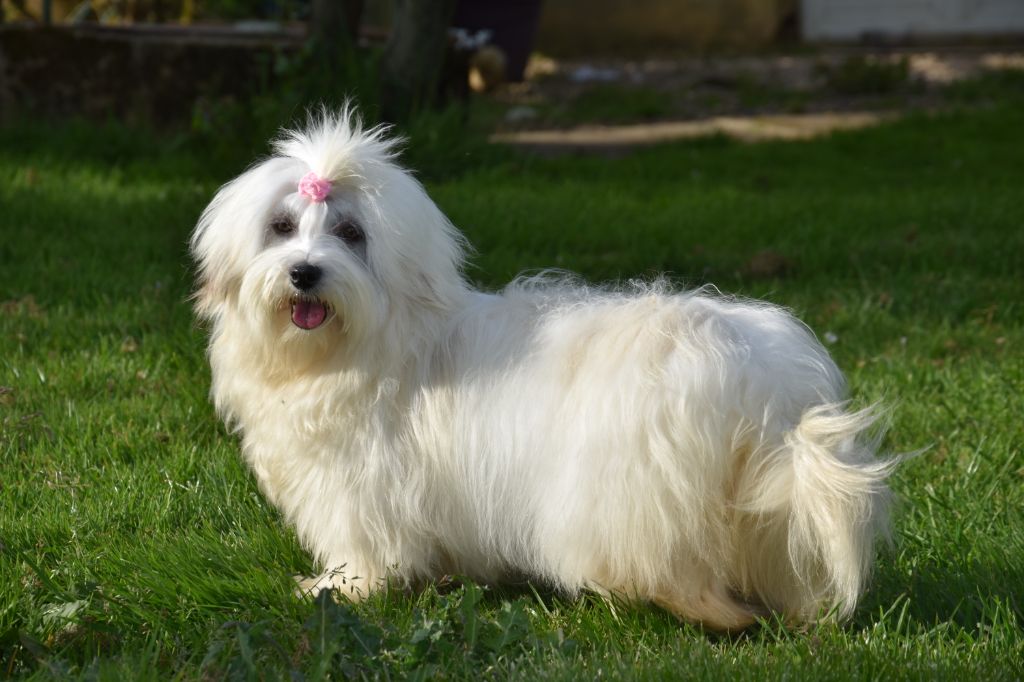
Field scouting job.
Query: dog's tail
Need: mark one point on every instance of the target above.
(809, 512)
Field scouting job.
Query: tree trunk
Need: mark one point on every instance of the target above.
(414, 56)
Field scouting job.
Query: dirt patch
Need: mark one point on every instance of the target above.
(745, 128)
(607, 104)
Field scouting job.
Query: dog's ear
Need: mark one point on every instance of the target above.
(230, 231)
(213, 244)
(426, 252)
(213, 293)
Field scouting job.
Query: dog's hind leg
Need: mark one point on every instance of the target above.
(713, 606)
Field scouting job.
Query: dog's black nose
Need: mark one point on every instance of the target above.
(305, 276)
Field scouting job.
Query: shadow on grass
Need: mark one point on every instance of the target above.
(438, 145)
(973, 596)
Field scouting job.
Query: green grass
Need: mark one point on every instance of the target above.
(134, 544)
(610, 104)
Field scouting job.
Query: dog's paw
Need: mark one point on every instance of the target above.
(340, 582)
(309, 586)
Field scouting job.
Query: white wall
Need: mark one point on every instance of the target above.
(852, 19)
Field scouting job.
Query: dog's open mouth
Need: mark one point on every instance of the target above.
(309, 313)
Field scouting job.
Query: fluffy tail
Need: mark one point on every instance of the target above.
(809, 512)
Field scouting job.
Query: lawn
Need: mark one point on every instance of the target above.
(134, 543)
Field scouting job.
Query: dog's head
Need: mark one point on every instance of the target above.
(328, 238)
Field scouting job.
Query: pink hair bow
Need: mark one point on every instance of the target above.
(314, 188)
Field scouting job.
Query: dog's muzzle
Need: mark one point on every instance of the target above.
(309, 312)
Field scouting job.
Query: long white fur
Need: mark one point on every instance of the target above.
(684, 448)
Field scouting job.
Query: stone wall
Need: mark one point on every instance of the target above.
(155, 74)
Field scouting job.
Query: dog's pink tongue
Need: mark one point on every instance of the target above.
(308, 314)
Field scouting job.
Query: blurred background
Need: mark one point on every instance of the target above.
(534, 69)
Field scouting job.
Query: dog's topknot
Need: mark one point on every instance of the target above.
(335, 144)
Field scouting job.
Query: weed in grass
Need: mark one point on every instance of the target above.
(337, 639)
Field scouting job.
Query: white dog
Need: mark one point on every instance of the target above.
(686, 449)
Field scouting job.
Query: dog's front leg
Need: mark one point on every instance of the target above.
(345, 580)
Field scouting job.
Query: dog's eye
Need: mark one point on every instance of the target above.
(349, 232)
(282, 225)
